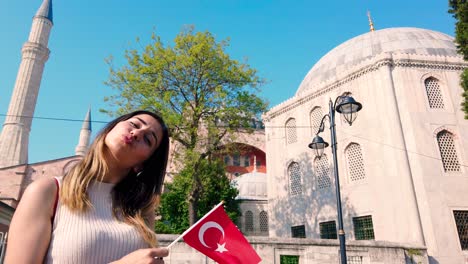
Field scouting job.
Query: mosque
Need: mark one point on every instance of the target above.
(402, 163)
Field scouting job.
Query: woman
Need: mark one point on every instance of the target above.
(103, 209)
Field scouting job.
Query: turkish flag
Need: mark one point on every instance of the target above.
(216, 236)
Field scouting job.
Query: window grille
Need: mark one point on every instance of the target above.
(291, 133)
(246, 161)
(236, 160)
(295, 179)
(448, 152)
(355, 162)
(263, 222)
(289, 259)
(322, 171)
(298, 231)
(363, 228)
(328, 230)
(461, 220)
(315, 119)
(354, 259)
(227, 160)
(249, 227)
(434, 94)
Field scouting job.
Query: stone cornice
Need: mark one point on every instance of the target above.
(396, 60)
(430, 65)
(32, 50)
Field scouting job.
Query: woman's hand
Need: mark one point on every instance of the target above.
(144, 256)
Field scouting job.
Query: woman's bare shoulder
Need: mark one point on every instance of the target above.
(34, 214)
(44, 189)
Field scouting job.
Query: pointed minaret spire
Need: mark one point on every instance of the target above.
(371, 24)
(85, 135)
(14, 139)
(45, 10)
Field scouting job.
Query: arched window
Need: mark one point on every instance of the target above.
(355, 162)
(263, 217)
(249, 227)
(246, 161)
(236, 160)
(227, 160)
(295, 182)
(322, 172)
(434, 93)
(291, 133)
(448, 152)
(315, 119)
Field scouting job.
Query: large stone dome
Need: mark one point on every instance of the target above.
(366, 46)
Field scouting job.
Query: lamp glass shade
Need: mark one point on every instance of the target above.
(318, 145)
(348, 107)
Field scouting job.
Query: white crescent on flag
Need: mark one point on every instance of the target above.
(205, 227)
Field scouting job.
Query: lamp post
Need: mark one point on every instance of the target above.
(346, 105)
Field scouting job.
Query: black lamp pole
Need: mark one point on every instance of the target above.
(348, 107)
(341, 233)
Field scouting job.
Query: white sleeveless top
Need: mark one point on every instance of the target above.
(94, 236)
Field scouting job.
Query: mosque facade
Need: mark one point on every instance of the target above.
(402, 163)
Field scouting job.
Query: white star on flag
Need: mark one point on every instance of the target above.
(221, 248)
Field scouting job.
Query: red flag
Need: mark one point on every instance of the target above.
(216, 236)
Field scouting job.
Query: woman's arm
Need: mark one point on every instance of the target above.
(30, 229)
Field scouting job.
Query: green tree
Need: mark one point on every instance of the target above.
(205, 96)
(215, 187)
(459, 10)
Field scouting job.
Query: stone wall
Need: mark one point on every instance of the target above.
(309, 251)
(15, 179)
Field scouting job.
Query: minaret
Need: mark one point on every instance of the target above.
(15, 134)
(371, 24)
(85, 135)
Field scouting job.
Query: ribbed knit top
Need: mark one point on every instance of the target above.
(94, 236)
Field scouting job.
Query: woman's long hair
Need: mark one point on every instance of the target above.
(135, 195)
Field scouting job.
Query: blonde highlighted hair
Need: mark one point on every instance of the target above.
(136, 209)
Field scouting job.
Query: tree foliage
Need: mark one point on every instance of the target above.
(215, 187)
(204, 96)
(464, 84)
(459, 10)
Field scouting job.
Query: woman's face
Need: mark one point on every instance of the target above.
(132, 141)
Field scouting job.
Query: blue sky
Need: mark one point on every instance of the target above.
(281, 39)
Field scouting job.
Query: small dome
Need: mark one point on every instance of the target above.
(251, 186)
(366, 46)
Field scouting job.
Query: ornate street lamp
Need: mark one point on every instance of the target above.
(346, 105)
(318, 145)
